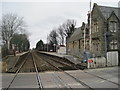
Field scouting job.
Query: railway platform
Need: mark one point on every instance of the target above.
(19, 54)
(9, 61)
(71, 58)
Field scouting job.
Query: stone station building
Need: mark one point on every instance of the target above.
(105, 35)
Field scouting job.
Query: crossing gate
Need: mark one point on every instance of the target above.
(112, 58)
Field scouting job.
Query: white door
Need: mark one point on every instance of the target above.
(112, 58)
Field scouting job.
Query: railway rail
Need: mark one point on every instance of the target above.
(30, 54)
(33, 60)
(76, 68)
(66, 64)
(59, 69)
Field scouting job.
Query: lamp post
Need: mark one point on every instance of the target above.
(54, 46)
(9, 43)
(47, 47)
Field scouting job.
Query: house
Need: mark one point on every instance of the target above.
(75, 43)
(105, 35)
(105, 25)
(61, 49)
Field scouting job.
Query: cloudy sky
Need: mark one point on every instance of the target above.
(41, 16)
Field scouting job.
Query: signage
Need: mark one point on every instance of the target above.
(90, 61)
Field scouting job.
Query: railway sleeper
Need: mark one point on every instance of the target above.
(81, 66)
(67, 68)
(13, 70)
(25, 70)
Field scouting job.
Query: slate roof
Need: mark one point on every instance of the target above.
(107, 11)
(76, 35)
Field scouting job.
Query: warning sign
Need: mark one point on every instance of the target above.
(90, 61)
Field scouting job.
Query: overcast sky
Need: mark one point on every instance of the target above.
(41, 17)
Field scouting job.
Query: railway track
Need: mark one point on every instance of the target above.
(25, 62)
(76, 68)
(64, 61)
(61, 70)
(66, 64)
(32, 62)
(60, 83)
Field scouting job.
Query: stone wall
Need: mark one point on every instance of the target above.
(76, 48)
(98, 29)
(97, 62)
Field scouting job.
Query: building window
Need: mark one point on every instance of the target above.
(113, 26)
(113, 44)
(95, 26)
(68, 45)
(79, 44)
(93, 46)
(73, 45)
(87, 31)
(97, 47)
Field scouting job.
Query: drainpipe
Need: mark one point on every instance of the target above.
(105, 48)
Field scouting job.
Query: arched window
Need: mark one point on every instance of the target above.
(113, 26)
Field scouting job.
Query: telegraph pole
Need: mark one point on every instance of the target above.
(47, 43)
(84, 38)
(90, 29)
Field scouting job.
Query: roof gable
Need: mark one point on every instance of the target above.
(113, 15)
(96, 12)
(107, 11)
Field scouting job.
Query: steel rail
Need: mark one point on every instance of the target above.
(76, 79)
(37, 74)
(17, 72)
(94, 75)
(63, 63)
(63, 83)
(91, 74)
(102, 78)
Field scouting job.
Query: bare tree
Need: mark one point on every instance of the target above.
(53, 39)
(11, 24)
(61, 34)
(69, 27)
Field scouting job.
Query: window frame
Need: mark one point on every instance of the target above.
(113, 44)
(113, 26)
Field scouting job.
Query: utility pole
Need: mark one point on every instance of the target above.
(8, 46)
(84, 38)
(85, 54)
(47, 43)
(90, 29)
